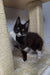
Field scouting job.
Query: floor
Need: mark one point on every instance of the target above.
(32, 66)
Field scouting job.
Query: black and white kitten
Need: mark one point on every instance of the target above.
(26, 40)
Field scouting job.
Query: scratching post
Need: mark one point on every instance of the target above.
(36, 17)
(6, 59)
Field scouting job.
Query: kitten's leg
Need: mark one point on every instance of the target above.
(39, 54)
(24, 55)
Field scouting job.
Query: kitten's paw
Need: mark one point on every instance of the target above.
(24, 59)
(24, 55)
(39, 54)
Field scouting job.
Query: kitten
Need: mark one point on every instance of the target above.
(26, 40)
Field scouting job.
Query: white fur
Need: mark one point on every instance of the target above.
(19, 34)
(13, 35)
(39, 54)
(27, 49)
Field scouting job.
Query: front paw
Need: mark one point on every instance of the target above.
(25, 58)
(39, 54)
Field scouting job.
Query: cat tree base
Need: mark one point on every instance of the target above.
(32, 66)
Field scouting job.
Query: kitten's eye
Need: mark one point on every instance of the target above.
(18, 28)
(22, 29)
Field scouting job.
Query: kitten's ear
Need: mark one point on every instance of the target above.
(18, 20)
(27, 24)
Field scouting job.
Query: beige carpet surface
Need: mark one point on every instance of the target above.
(32, 66)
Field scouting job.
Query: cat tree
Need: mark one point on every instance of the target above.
(36, 25)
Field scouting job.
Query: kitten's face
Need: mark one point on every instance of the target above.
(21, 29)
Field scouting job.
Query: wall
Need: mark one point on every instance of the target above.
(46, 14)
(11, 16)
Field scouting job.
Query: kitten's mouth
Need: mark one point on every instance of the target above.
(19, 34)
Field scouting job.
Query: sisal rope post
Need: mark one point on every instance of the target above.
(36, 18)
(6, 59)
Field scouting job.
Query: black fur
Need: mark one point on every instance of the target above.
(18, 27)
(31, 40)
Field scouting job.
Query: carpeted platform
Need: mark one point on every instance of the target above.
(32, 66)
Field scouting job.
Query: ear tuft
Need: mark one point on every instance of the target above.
(27, 24)
(18, 21)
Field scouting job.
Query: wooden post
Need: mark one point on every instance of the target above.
(6, 59)
(36, 17)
